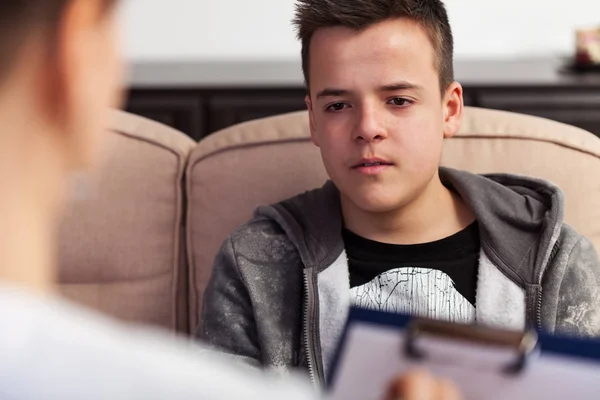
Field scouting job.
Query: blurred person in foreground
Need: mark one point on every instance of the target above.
(59, 74)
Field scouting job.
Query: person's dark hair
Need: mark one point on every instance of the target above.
(18, 18)
(312, 15)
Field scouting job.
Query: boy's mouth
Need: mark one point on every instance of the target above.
(371, 166)
(371, 162)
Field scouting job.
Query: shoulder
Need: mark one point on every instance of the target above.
(573, 250)
(262, 241)
(571, 243)
(574, 265)
(573, 284)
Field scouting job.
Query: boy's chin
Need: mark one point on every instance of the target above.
(376, 204)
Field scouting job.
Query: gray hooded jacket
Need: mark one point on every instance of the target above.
(280, 292)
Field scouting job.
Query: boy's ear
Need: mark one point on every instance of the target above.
(311, 120)
(453, 109)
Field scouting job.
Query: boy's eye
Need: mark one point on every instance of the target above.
(399, 101)
(336, 107)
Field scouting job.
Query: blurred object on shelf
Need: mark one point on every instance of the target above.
(587, 46)
(587, 51)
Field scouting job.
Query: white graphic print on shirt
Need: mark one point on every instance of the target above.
(423, 292)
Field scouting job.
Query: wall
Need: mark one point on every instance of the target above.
(261, 29)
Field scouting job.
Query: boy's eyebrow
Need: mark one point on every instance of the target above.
(331, 92)
(404, 85)
(393, 87)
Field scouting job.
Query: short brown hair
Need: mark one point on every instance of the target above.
(18, 18)
(312, 15)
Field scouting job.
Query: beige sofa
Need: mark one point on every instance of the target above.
(141, 246)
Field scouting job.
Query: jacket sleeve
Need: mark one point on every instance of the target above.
(578, 311)
(227, 320)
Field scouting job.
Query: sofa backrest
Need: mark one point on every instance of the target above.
(233, 171)
(121, 248)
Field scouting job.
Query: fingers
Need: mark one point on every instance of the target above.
(447, 390)
(422, 385)
(417, 385)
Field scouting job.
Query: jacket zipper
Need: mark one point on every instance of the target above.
(309, 335)
(534, 306)
(537, 314)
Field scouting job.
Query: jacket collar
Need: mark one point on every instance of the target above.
(519, 220)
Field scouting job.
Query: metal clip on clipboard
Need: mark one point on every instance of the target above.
(524, 343)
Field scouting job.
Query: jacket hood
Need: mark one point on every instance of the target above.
(519, 218)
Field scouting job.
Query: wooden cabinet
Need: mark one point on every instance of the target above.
(201, 99)
(181, 111)
(575, 107)
(233, 108)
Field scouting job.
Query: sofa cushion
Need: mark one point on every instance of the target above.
(500, 141)
(120, 247)
(233, 171)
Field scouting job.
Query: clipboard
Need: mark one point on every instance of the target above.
(485, 363)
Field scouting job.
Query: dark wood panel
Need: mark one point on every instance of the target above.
(548, 97)
(468, 97)
(580, 108)
(183, 112)
(588, 119)
(227, 110)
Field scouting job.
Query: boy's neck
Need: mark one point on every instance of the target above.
(436, 214)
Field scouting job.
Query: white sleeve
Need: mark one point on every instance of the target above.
(52, 350)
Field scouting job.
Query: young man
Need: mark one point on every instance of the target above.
(392, 230)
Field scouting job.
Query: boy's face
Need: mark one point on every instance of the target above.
(377, 113)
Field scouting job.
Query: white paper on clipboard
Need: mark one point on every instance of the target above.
(373, 356)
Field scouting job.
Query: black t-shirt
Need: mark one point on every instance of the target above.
(436, 279)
